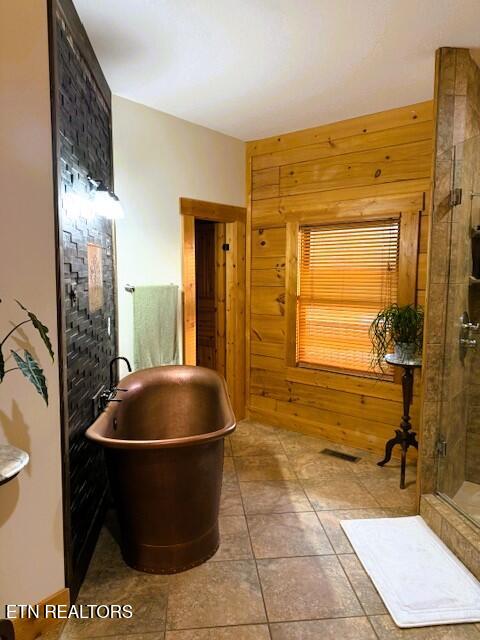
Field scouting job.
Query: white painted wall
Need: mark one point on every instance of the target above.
(158, 159)
(31, 539)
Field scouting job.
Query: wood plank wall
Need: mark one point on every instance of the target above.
(374, 159)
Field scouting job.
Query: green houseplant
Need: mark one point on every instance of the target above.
(25, 362)
(399, 329)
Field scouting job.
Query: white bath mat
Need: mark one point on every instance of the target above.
(419, 579)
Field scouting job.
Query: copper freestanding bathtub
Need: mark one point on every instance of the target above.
(164, 450)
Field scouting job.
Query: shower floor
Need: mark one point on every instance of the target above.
(468, 499)
(284, 570)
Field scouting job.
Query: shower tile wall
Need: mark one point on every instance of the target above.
(447, 374)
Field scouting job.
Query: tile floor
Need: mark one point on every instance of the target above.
(284, 570)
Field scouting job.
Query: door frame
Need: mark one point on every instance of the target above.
(235, 229)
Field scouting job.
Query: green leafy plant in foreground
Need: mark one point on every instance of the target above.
(26, 363)
(395, 325)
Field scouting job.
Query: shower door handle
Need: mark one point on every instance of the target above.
(472, 327)
(466, 329)
(468, 343)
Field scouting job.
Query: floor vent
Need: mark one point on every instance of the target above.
(340, 454)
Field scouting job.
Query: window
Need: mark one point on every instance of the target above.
(346, 274)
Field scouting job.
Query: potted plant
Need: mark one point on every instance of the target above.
(25, 362)
(399, 329)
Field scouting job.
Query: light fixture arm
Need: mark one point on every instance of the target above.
(107, 201)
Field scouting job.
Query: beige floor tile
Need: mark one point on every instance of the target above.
(54, 631)
(157, 635)
(367, 467)
(227, 447)
(282, 535)
(295, 443)
(338, 493)
(387, 493)
(215, 594)
(339, 629)
(331, 523)
(386, 629)
(253, 426)
(231, 500)
(107, 552)
(250, 443)
(306, 589)
(399, 512)
(274, 467)
(229, 473)
(246, 632)
(234, 539)
(146, 593)
(311, 465)
(274, 496)
(362, 585)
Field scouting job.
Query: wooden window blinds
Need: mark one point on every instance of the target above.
(347, 273)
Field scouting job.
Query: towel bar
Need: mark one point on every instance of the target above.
(131, 289)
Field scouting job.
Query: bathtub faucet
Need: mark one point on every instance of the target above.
(109, 395)
(112, 366)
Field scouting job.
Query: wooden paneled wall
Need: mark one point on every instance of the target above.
(372, 163)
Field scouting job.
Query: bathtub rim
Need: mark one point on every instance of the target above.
(103, 422)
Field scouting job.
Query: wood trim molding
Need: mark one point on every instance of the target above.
(291, 273)
(188, 277)
(408, 269)
(235, 233)
(235, 316)
(408, 251)
(221, 297)
(393, 196)
(31, 628)
(212, 210)
(248, 274)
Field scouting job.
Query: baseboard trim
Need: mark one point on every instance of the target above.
(31, 628)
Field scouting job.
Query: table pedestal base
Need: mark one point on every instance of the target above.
(405, 439)
(404, 436)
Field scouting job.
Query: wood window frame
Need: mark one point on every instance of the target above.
(235, 345)
(407, 278)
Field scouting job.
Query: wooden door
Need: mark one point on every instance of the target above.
(205, 290)
(210, 279)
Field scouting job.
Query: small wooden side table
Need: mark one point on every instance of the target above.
(404, 436)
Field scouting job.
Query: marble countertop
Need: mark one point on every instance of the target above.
(12, 460)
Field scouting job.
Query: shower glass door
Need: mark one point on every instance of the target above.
(458, 478)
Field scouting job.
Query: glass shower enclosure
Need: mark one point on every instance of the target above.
(458, 472)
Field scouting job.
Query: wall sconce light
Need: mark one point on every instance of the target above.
(105, 202)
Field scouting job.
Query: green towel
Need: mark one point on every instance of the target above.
(155, 326)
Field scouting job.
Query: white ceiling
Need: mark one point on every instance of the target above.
(254, 68)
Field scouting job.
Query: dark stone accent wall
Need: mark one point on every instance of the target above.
(84, 146)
